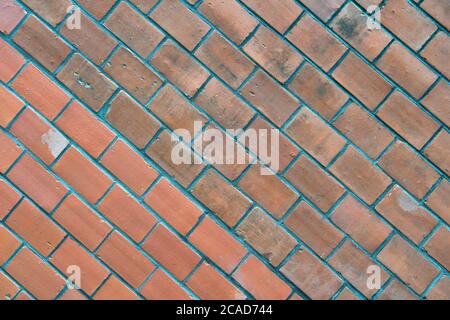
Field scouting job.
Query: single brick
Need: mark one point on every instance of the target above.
(407, 23)
(127, 214)
(131, 120)
(83, 175)
(41, 92)
(270, 98)
(11, 61)
(441, 290)
(437, 51)
(9, 152)
(38, 136)
(8, 244)
(10, 16)
(319, 92)
(266, 237)
(171, 252)
(9, 197)
(132, 74)
(8, 289)
(144, 5)
(363, 130)
(315, 183)
(437, 246)
(274, 55)
(311, 276)
(438, 151)
(138, 175)
(125, 259)
(396, 291)
(413, 173)
(351, 24)
(82, 222)
(180, 68)
(86, 81)
(114, 289)
(11, 106)
(366, 180)
(280, 14)
(324, 9)
(408, 264)
(229, 17)
(217, 244)
(162, 287)
(260, 281)
(439, 200)
(226, 61)
(316, 42)
(133, 29)
(269, 191)
(35, 227)
(406, 70)
(35, 275)
(208, 284)
(223, 105)
(362, 81)
(181, 23)
(51, 11)
(437, 101)
(315, 136)
(35, 181)
(180, 212)
(438, 9)
(42, 44)
(97, 8)
(221, 198)
(90, 39)
(360, 223)
(71, 254)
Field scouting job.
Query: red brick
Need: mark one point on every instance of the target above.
(311, 276)
(229, 17)
(407, 23)
(83, 175)
(127, 214)
(114, 289)
(438, 9)
(396, 291)
(82, 222)
(138, 175)
(86, 81)
(11, 105)
(8, 245)
(132, 74)
(35, 275)
(72, 295)
(11, 61)
(260, 281)
(280, 14)
(42, 44)
(179, 68)
(436, 101)
(274, 55)
(316, 184)
(351, 24)
(9, 198)
(441, 290)
(364, 131)
(347, 295)
(439, 200)
(97, 8)
(318, 91)
(358, 222)
(133, 29)
(51, 11)
(437, 246)
(40, 91)
(180, 212)
(217, 244)
(171, 252)
(71, 254)
(324, 9)
(131, 120)
(315, 136)
(8, 289)
(208, 284)
(408, 264)
(22, 296)
(438, 151)
(314, 229)
(9, 152)
(406, 70)
(180, 22)
(161, 287)
(437, 51)
(270, 98)
(362, 81)
(413, 173)
(10, 15)
(38, 136)
(125, 259)
(144, 5)
(37, 183)
(83, 128)
(408, 120)
(366, 180)
(93, 41)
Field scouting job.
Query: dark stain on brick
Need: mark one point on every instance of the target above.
(347, 27)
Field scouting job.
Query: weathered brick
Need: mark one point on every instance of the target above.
(161, 287)
(97, 8)
(9, 152)
(438, 9)
(11, 61)
(8, 244)
(438, 151)
(9, 197)
(10, 16)
(437, 246)
(324, 9)
(437, 100)
(144, 5)
(114, 289)
(437, 51)
(439, 200)
(52, 11)
(441, 290)
(11, 106)
(396, 291)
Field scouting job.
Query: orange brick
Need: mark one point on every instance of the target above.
(125, 259)
(8, 289)
(324, 9)
(438, 151)
(22, 296)
(11, 61)
(180, 212)
(72, 295)
(437, 8)
(83, 175)
(9, 198)
(436, 101)
(53, 11)
(437, 246)
(11, 106)
(217, 244)
(114, 289)
(9, 152)
(171, 252)
(396, 291)
(97, 8)
(161, 287)
(441, 290)
(436, 53)
(10, 16)
(8, 245)
(439, 200)
(347, 295)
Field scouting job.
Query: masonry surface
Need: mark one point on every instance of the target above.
(86, 177)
